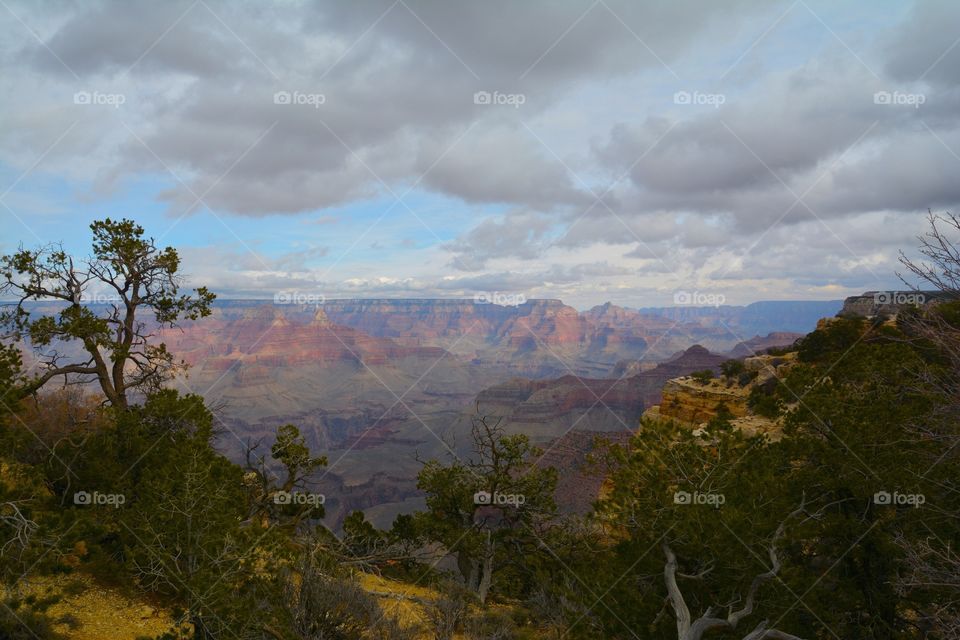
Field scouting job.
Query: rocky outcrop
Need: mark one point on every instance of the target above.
(694, 403)
(760, 344)
(606, 404)
(889, 303)
(696, 358)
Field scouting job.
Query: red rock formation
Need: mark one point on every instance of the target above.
(264, 336)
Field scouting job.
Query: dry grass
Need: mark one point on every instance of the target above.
(97, 611)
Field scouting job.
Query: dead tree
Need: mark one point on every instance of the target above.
(932, 563)
(689, 628)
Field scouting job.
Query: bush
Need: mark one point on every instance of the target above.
(763, 403)
(703, 377)
(747, 377)
(831, 339)
(323, 606)
(490, 625)
(723, 412)
(732, 368)
(448, 614)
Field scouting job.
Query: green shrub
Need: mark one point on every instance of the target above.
(733, 368)
(763, 403)
(830, 340)
(703, 377)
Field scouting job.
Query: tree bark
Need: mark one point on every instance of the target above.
(680, 610)
(689, 629)
(486, 575)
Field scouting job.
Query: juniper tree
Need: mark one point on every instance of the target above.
(115, 347)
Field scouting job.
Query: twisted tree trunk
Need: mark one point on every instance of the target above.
(690, 629)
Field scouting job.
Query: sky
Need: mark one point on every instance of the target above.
(590, 151)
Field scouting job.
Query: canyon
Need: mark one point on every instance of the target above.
(378, 385)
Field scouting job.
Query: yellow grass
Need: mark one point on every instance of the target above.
(101, 611)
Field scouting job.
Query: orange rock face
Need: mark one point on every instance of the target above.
(265, 337)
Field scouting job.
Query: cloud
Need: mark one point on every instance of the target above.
(397, 82)
(501, 166)
(299, 260)
(809, 143)
(925, 46)
(114, 37)
(801, 177)
(520, 234)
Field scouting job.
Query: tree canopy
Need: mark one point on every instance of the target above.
(129, 275)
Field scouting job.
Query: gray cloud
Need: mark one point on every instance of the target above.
(519, 235)
(113, 37)
(398, 81)
(707, 193)
(818, 136)
(925, 47)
